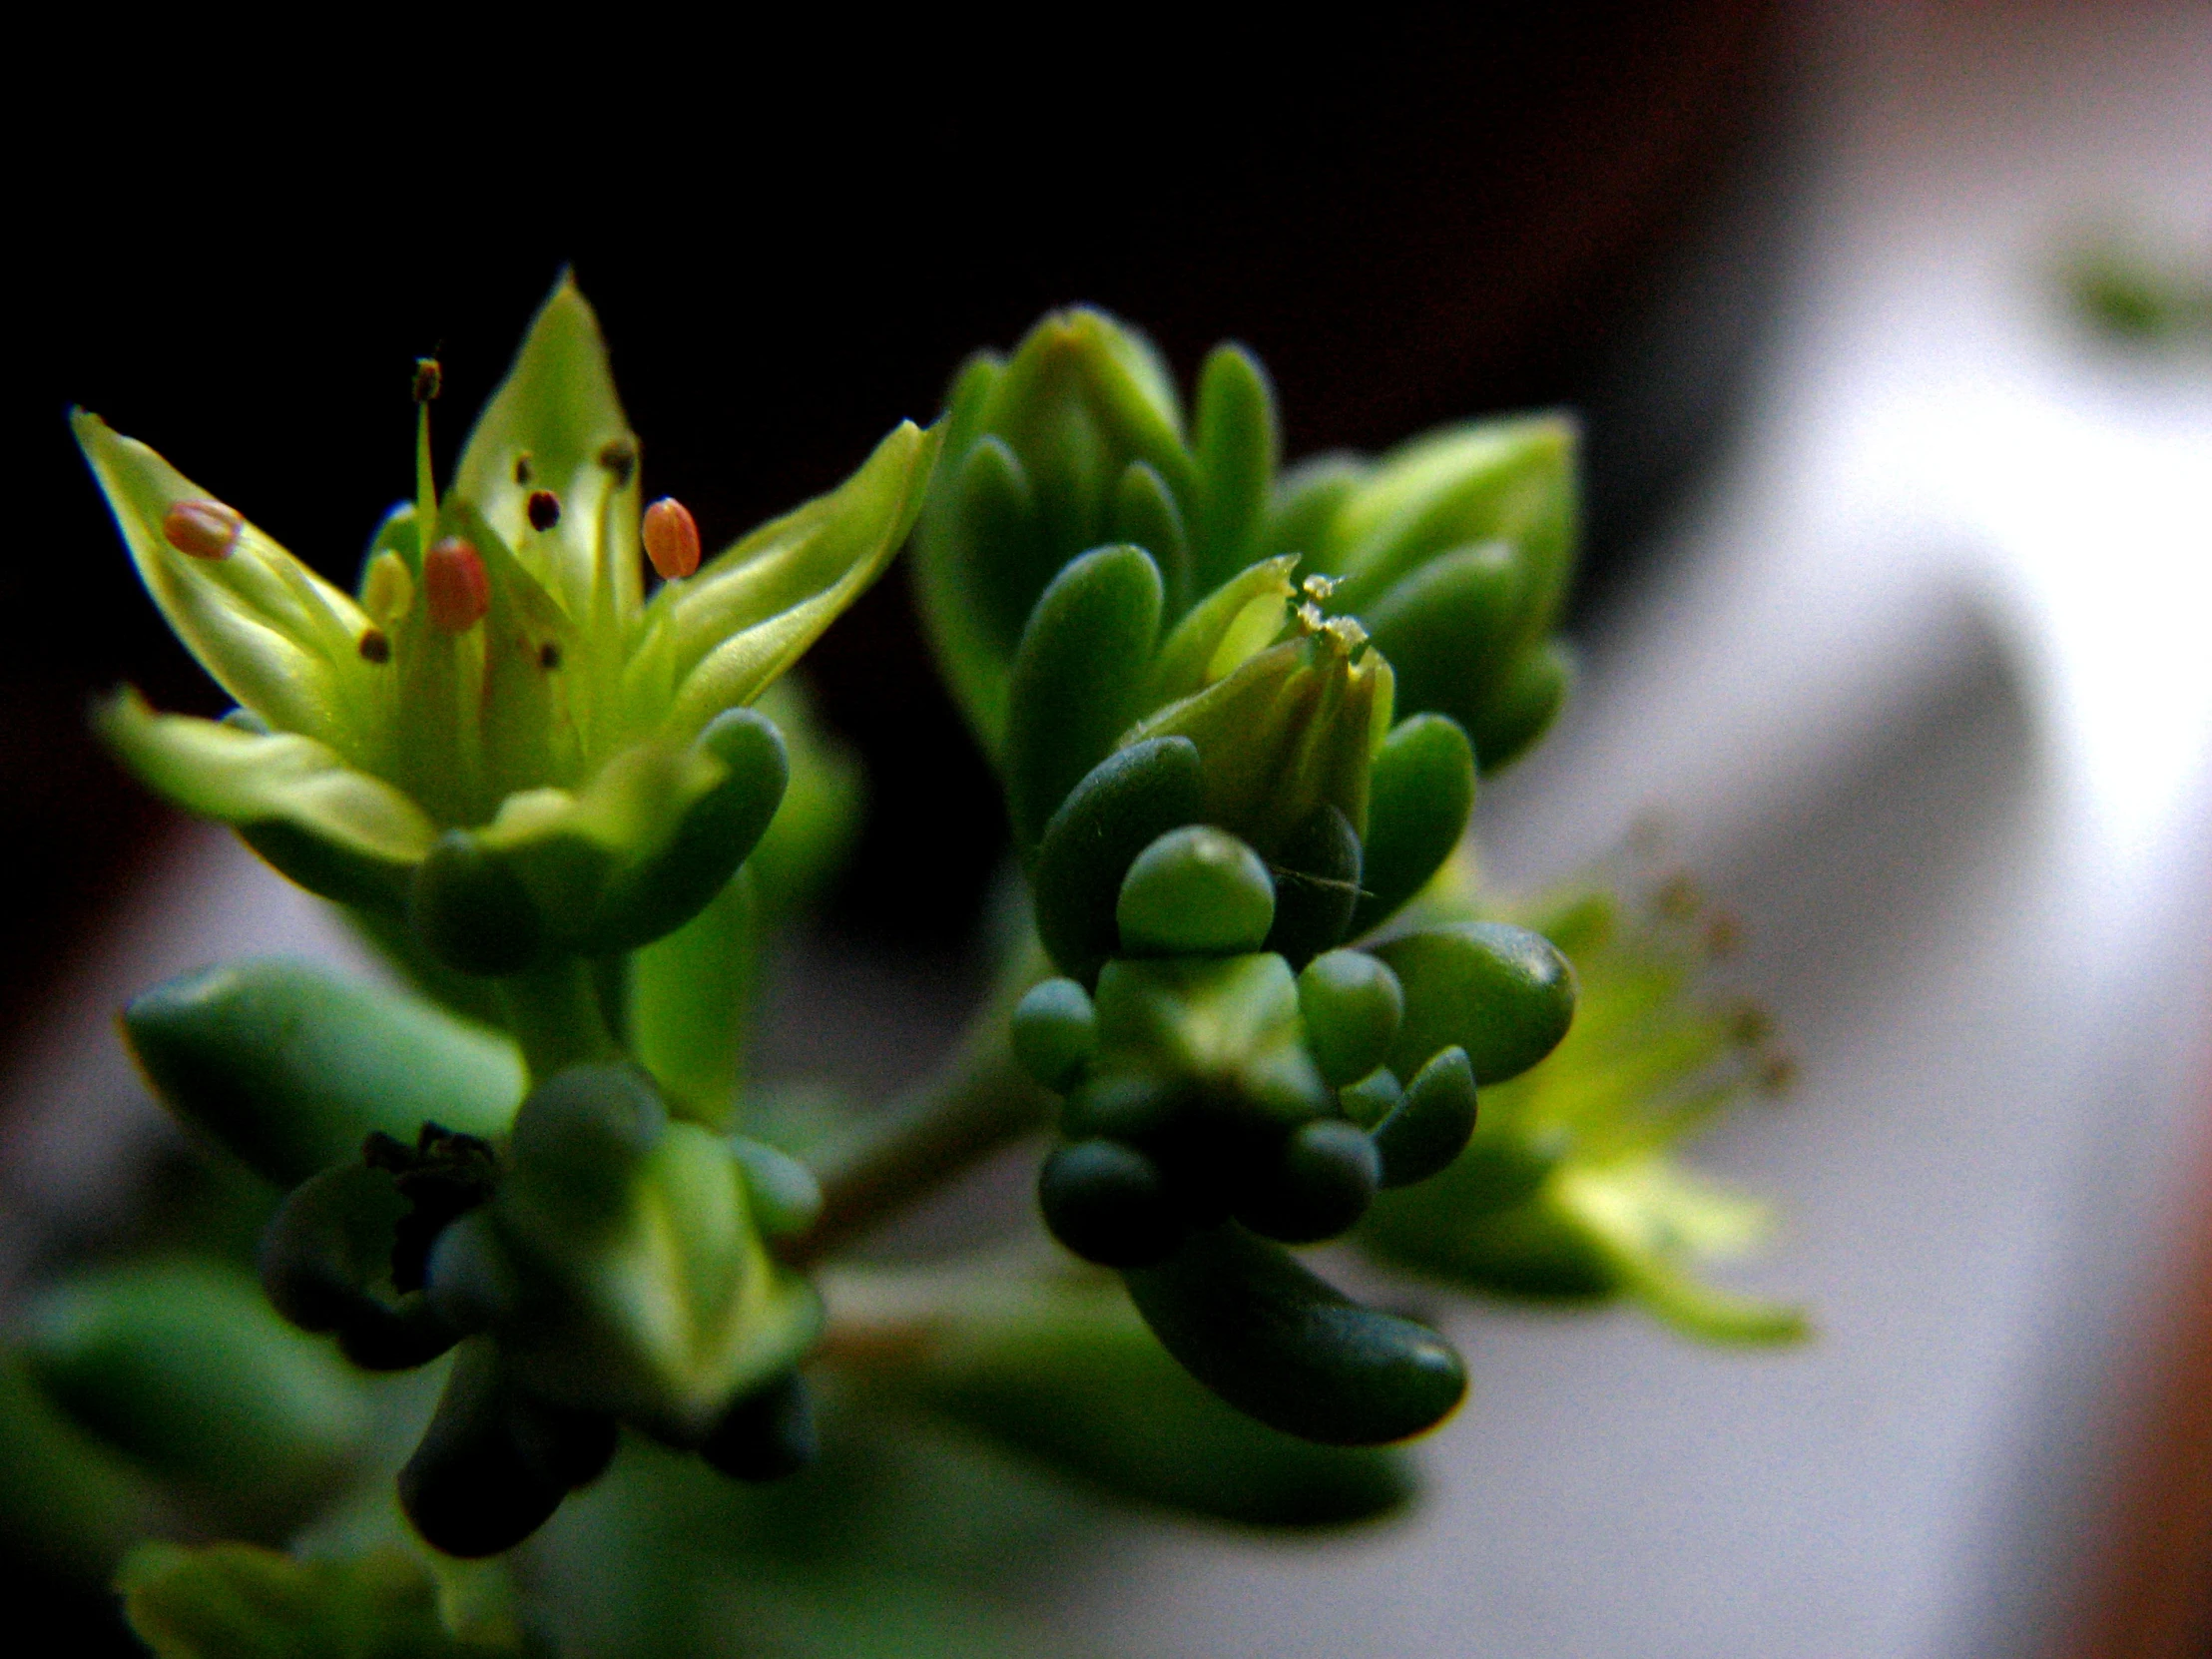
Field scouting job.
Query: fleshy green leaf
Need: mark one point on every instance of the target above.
(1249, 1322)
(1419, 796)
(1501, 992)
(690, 996)
(1070, 1376)
(1238, 450)
(275, 636)
(289, 1067)
(184, 1368)
(241, 1601)
(1076, 679)
(336, 830)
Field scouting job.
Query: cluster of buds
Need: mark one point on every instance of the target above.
(1212, 793)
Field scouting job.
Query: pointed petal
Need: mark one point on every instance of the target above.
(336, 830)
(550, 427)
(275, 635)
(753, 612)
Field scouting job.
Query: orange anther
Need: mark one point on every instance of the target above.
(201, 529)
(671, 538)
(455, 589)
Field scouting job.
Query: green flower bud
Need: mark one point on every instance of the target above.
(643, 1290)
(1067, 1375)
(182, 1366)
(1195, 891)
(1352, 1003)
(1224, 1029)
(289, 1067)
(1123, 805)
(1076, 679)
(1079, 440)
(1429, 1127)
(1055, 1034)
(186, 1601)
(1291, 730)
(1420, 793)
(1322, 1180)
(1277, 1344)
(1109, 1203)
(1501, 992)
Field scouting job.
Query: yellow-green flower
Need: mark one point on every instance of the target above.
(501, 705)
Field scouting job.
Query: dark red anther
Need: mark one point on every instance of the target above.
(201, 529)
(544, 509)
(375, 646)
(429, 379)
(671, 538)
(454, 586)
(549, 656)
(620, 457)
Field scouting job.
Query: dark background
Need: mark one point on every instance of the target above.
(792, 246)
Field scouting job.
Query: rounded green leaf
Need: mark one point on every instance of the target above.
(1248, 1320)
(1237, 456)
(1055, 1034)
(1320, 1182)
(289, 1067)
(1077, 677)
(1316, 884)
(1195, 891)
(182, 1366)
(1071, 1379)
(1523, 708)
(1429, 1127)
(1450, 629)
(1109, 1203)
(1352, 1003)
(1419, 796)
(1128, 800)
(1501, 992)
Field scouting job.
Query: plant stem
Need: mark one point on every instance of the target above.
(976, 1104)
(554, 1012)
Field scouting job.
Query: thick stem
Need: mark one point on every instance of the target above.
(979, 1102)
(554, 1012)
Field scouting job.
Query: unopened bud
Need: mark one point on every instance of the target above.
(544, 509)
(201, 529)
(387, 594)
(454, 586)
(671, 538)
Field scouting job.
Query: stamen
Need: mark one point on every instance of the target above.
(671, 538)
(620, 457)
(375, 646)
(523, 472)
(549, 656)
(1318, 588)
(389, 594)
(454, 586)
(429, 379)
(544, 509)
(201, 529)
